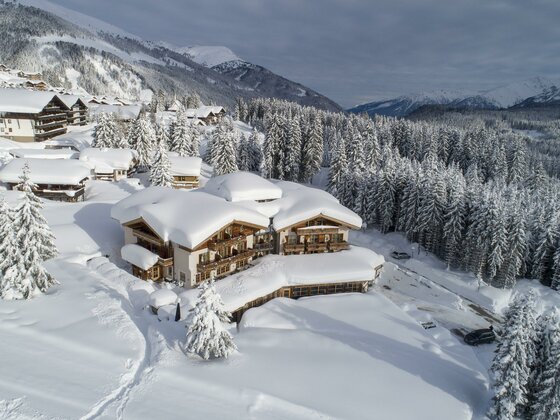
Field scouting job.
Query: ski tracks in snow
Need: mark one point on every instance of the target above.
(119, 311)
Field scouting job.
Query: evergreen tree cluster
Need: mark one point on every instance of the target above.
(26, 241)
(464, 187)
(526, 367)
(222, 148)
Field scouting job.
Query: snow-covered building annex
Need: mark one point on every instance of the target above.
(185, 171)
(29, 115)
(56, 179)
(110, 164)
(192, 236)
(121, 112)
(77, 109)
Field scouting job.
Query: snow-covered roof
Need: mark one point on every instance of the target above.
(107, 160)
(24, 101)
(139, 256)
(35, 153)
(187, 218)
(241, 186)
(185, 165)
(46, 171)
(291, 203)
(70, 100)
(203, 112)
(162, 297)
(122, 112)
(355, 264)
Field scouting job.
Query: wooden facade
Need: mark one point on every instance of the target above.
(228, 250)
(68, 193)
(315, 235)
(297, 291)
(185, 182)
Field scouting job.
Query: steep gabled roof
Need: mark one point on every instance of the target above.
(187, 218)
(24, 101)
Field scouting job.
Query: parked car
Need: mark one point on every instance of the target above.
(483, 336)
(397, 255)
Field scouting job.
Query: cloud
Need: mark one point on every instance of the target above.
(357, 50)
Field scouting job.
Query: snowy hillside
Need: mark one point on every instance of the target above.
(501, 97)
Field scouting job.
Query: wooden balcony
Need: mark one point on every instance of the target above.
(317, 247)
(318, 231)
(211, 265)
(214, 244)
(293, 247)
(338, 246)
(265, 246)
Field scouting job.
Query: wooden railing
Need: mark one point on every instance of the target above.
(226, 242)
(210, 265)
(338, 246)
(316, 247)
(318, 231)
(294, 247)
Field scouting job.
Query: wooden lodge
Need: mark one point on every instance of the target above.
(110, 164)
(30, 75)
(185, 171)
(31, 116)
(226, 251)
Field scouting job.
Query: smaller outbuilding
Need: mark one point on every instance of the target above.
(185, 171)
(110, 164)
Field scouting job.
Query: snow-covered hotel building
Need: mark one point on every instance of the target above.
(28, 115)
(191, 236)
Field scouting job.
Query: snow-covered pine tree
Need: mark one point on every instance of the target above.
(34, 240)
(181, 141)
(244, 154)
(7, 243)
(206, 335)
(339, 165)
(145, 139)
(454, 216)
(292, 152)
(555, 283)
(160, 169)
(273, 165)
(546, 401)
(105, 133)
(256, 151)
(312, 151)
(161, 135)
(224, 144)
(514, 360)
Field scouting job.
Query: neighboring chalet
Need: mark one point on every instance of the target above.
(28, 116)
(30, 75)
(110, 164)
(192, 236)
(36, 85)
(209, 115)
(56, 179)
(77, 109)
(185, 171)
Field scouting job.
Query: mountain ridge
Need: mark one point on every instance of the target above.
(502, 97)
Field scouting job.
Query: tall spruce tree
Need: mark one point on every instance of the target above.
(160, 169)
(206, 335)
(27, 277)
(223, 151)
(514, 360)
(546, 395)
(105, 133)
(312, 151)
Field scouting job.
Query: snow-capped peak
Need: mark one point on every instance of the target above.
(208, 55)
(514, 93)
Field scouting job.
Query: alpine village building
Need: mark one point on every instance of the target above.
(28, 115)
(192, 236)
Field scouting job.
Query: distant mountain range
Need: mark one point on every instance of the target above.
(84, 54)
(532, 92)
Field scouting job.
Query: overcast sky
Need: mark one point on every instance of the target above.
(357, 50)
